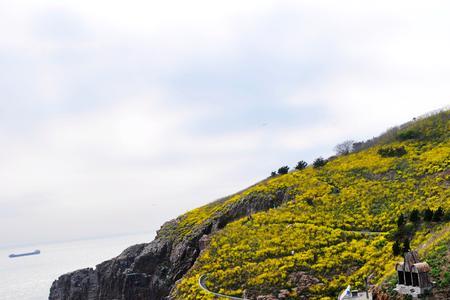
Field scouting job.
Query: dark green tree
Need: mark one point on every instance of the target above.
(414, 216)
(406, 246)
(283, 170)
(273, 174)
(438, 214)
(319, 162)
(301, 165)
(396, 249)
(427, 215)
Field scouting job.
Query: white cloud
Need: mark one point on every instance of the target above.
(89, 169)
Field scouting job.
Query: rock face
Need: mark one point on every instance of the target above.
(149, 271)
(302, 281)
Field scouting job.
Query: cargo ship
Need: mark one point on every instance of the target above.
(35, 252)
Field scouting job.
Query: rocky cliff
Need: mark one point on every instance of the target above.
(149, 271)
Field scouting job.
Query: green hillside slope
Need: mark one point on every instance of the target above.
(338, 223)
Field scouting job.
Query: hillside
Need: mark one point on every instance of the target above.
(306, 234)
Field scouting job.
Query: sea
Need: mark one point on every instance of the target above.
(30, 277)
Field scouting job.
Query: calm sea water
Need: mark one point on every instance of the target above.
(30, 277)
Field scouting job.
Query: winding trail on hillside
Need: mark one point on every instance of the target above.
(201, 283)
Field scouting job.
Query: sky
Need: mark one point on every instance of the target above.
(116, 116)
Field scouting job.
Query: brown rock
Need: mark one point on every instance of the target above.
(302, 281)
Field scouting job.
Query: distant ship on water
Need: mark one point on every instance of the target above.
(35, 252)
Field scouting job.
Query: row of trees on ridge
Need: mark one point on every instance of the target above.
(317, 163)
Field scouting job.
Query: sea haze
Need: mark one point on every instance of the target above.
(30, 277)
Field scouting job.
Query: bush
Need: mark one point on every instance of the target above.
(273, 174)
(400, 221)
(283, 170)
(446, 279)
(319, 162)
(408, 135)
(392, 151)
(335, 190)
(301, 165)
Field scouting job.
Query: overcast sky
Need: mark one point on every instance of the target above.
(116, 116)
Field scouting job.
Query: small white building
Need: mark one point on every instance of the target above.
(349, 294)
(356, 295)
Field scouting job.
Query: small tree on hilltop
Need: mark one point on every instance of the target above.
(273, 174)
(319, 162)
(283, 170)
(344, 148)
(301, 165)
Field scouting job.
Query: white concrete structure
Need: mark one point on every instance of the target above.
(356, 295)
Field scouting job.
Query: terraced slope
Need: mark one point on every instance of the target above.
(337, 226)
